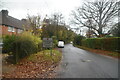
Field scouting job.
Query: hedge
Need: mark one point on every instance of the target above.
(77, 40)
(109, 44)
(22, 45)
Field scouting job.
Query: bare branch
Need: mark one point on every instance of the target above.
(100, 13)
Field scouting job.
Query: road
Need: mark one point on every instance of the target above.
(79, 63)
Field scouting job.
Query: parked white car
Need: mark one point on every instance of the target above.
(71, 42)
(61, 44)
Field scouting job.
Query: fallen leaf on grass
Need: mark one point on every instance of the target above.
(33, 69)
(43, 70)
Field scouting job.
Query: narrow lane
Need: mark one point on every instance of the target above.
(79, 63)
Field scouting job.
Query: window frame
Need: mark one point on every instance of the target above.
(11, 29)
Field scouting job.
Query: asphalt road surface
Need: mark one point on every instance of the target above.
(79, 63)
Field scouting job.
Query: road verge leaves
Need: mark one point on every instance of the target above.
(39, 65)
(102, 52)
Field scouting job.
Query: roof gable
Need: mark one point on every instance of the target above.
(5, 19)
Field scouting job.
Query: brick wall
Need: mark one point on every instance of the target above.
(6, 32)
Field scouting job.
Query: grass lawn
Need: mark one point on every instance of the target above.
(46, 56)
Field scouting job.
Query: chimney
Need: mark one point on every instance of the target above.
(5, 12)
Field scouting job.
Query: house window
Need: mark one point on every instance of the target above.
(20, 31)
(11, 29)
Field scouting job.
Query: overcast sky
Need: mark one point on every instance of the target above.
(20, 8)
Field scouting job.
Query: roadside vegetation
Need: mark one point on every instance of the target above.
(109, 44)
(103, 30)
(46, 56)
(39, 65)
(101, 52)
(30, 41)
(21, 46)
(105, 45)
(25, 53)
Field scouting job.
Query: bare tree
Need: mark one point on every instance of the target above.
(115, 30)
(34, 23)
(96, 15)
(58, 19)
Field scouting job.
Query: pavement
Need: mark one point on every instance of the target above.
(79, 63)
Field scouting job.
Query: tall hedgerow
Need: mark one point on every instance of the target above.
(110, 44)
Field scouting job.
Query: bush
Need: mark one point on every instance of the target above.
(77, 40)
(8, 43)
(22, 45)
(110, 44)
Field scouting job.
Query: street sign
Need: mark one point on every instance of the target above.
(47, 42)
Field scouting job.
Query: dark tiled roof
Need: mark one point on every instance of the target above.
(5, 19)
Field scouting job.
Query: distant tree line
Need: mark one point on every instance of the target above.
(60, 32)
(52, 27)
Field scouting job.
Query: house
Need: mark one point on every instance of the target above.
(10, 25)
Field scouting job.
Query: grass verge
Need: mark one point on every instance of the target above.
(103, 52)
(38, 65)
(46, 56)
